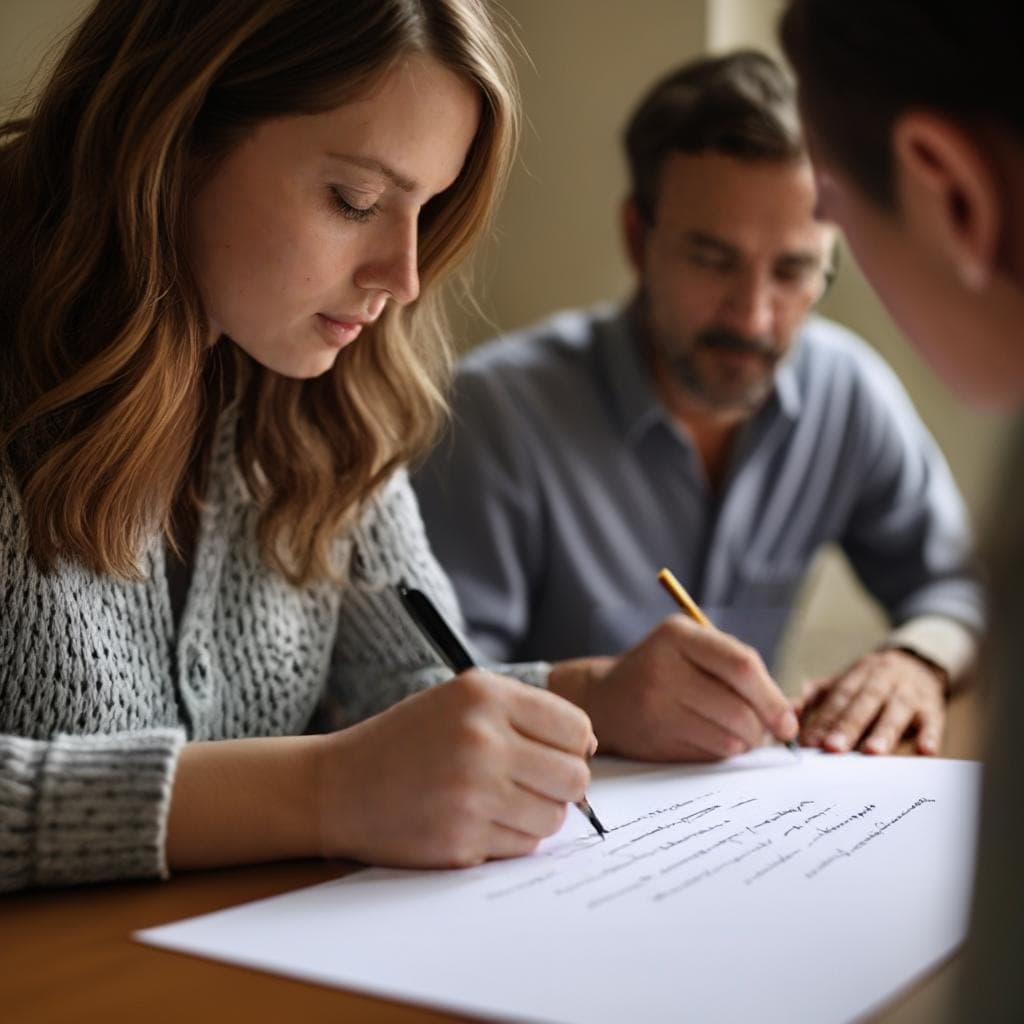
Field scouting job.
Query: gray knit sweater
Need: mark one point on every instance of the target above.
(98, 690)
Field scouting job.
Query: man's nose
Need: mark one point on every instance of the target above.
(749, 305)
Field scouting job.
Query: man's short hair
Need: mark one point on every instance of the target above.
(740, 104)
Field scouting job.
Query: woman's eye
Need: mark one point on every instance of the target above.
(350, 211)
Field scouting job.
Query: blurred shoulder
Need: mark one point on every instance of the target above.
(560, 346)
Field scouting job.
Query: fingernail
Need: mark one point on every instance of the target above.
(874, 747)
(788, 725)
(837, 741)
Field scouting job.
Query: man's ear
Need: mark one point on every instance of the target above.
(949, 193)
(634, 231)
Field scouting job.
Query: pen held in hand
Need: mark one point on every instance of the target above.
(450, 650)
(688, 605)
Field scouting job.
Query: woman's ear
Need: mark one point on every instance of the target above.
(949, 194)
(634, 230)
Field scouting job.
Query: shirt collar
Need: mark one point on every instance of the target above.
(628, 378)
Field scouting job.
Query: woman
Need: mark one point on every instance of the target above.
(916, 119)
(222, 236)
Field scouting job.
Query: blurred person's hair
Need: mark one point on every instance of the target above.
(860, 65)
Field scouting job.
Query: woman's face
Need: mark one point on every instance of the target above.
(308, 227)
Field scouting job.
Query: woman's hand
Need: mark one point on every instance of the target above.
(480, 767)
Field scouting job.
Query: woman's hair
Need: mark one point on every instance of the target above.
(109, 389)
(740, 104)
(860, 65)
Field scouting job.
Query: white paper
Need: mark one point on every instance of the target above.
(766, 888)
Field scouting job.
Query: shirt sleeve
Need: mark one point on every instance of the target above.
(480, 504)
(945, 643)
(379, 655)
(908, 536)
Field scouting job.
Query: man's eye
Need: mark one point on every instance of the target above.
(709, 261)
(795, 275)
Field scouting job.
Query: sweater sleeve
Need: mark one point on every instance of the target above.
(379, 656)
(85, 808)
(73, 808)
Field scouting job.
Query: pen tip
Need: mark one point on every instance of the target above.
(588, 813)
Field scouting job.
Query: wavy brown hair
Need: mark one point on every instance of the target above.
(109, 389)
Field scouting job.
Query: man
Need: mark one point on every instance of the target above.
(916, 123)
(709, 426)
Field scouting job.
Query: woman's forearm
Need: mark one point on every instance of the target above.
(243, 801)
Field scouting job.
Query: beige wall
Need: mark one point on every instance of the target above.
(29, 33)
(557, 241)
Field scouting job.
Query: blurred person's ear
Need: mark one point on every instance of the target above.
(634, 231)
(948, 195)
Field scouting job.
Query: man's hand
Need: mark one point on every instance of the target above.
(873, 704)
(685, 693)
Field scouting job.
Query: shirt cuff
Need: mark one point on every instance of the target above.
(946, 643)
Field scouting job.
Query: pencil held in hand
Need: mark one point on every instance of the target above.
(688, 605)
(683, 599)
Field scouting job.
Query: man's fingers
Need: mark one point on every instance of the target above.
(811, 694)
(716, 704)
(846, 732)
(892, 724)
(738, 666)
(833, 702)
(931, 727)
(711, 739)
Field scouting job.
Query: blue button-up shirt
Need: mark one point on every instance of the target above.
(563, 486)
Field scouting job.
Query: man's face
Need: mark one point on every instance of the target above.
(730, 266)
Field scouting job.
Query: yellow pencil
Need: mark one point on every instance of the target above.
(683, 599)
(687, 603)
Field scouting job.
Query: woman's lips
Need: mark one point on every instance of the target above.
(339, 332)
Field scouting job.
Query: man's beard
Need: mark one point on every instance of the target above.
(717, 384)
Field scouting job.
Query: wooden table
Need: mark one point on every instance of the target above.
(66, 955)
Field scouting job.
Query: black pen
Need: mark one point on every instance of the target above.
(444, 641)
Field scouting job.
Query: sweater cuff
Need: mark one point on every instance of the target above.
(945, 643)
(534, 673)
(102, 806)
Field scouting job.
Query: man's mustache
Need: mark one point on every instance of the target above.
(729, 341)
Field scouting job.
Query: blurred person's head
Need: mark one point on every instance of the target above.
(914, 117)
(720, 229)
